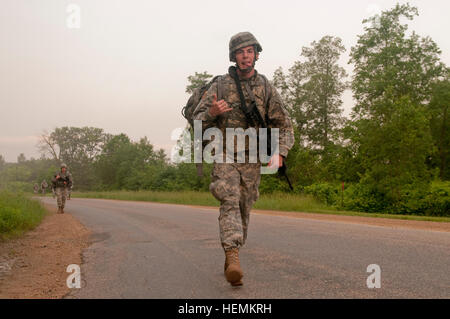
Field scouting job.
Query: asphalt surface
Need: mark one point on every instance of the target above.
(151, 250)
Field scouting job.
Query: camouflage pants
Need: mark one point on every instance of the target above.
(235, 185)
(61, 195)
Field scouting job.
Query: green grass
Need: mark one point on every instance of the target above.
(18, 213)
(185, 197)
(276, 201)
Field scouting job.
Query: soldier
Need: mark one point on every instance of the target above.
(36, 188)
(44, 186)
(235, 185)
(70, 191)
(60, 183)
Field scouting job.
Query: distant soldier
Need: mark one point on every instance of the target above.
(44, 186)
(70, 191)
(61, 182)
(36, 188)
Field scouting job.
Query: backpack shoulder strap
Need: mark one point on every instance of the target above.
(220, 87)
(268, 94)
(267, 89)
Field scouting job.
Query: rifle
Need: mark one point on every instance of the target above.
(282, 171)
(63, 181)
(253, 117)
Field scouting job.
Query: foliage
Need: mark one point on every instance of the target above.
(324, 192)
(77, 147)
(2, 162)
(440, 124)
(18, 213)
(197, 80)
(388, 62)
(312, 91)
(427, 201)
(395, 150)
(390, 129)
(431, 200)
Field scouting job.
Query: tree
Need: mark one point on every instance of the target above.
(392, 84)
(291, 92)
(440, 123)
(21, 158)
(386, 60)
(2, 162)
(123, 163)
(77, 147)
(312, 91)
(395, 151)
(47, 146)
(108, 164)
(197, 80)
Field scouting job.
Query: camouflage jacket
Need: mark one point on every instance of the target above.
(267, 101)
(63, 177)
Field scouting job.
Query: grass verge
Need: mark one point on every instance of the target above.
(18, 213)
(276, 201)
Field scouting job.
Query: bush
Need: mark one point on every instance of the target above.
(413, 199)
(271, 183)
(324, 192)
(19, 187)
(18, 213)
(364, 198)
(434, 201)
(425, 200)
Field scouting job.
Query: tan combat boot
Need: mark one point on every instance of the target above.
(59, 210)
(233, 271)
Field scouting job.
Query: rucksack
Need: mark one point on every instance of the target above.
(191, 105)
(195, 98)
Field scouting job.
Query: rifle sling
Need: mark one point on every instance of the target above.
(242, 106)
(244, 109)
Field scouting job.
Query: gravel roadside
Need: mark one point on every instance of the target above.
(34, 265)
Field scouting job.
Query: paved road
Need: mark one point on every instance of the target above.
(150, 250)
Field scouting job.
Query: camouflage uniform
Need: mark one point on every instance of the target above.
(61, 185)
(235, 185)
(69, 191)
(44, 186)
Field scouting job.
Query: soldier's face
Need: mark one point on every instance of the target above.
(63, 169)
(246, 57)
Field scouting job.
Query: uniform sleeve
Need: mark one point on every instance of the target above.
(201, 112)
(279, 118)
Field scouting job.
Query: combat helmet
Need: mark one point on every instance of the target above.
(63, 165)
(242, 40)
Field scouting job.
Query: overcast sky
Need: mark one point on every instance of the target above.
(125, 69)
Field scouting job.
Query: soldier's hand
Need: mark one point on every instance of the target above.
(218, 107)
(276, 161)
